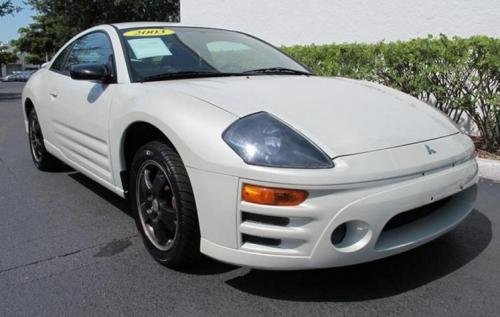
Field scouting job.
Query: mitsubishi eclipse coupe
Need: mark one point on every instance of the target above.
(226, 146)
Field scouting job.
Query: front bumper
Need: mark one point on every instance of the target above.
(304, 241)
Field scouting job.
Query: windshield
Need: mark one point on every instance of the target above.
(182, 52)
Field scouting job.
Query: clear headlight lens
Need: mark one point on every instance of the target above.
(261, 139)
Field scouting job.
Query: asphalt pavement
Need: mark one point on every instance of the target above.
(69, 247)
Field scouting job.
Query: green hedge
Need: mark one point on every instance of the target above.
(456, 75)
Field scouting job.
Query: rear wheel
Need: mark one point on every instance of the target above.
(42, 159)
(163, 205)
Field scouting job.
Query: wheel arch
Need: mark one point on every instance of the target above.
(28, 105)
(135, 135)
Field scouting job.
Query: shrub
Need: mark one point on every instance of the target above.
(456, 75)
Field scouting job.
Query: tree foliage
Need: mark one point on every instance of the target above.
(43, 37)
(6, 57)
(35, 59)
(59, 20)
(455, 75)
(6, 7)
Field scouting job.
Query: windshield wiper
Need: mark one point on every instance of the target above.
(201, 74)
(278, 70)
(186, 74)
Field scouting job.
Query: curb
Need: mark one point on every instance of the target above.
(8, 95)
(489, 169)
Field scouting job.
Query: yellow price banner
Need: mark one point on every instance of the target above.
(149, 32)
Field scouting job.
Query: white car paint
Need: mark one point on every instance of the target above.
(378, 138)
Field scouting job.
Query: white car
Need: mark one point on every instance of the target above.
(228, 147)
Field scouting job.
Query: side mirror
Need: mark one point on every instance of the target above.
(97, 72)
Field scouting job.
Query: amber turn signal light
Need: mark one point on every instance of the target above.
(273, 196)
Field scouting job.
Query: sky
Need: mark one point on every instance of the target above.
(10, 24)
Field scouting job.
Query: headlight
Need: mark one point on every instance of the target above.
(261, 139)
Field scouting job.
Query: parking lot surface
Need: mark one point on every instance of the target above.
(69, 247)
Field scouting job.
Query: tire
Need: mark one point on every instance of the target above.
(42, 159)
(162, 201)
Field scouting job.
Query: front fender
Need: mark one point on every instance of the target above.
(193, 126)
(30, 91)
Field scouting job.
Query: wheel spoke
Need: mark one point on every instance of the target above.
(159, 231)
(146, 186)
(145, 206)
(147, 179)
(168, 216)
(158, 183)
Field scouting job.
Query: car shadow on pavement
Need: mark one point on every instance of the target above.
(63, 168)
(207, 266)
(379, 279)
(102, 192)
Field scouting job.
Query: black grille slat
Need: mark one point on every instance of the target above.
(269, 220)
(261, 240)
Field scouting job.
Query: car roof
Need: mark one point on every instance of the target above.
(128, 25)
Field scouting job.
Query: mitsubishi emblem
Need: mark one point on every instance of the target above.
(430, 150)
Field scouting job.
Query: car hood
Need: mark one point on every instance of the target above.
(342, 116)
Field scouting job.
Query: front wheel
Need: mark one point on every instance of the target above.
(163, 205)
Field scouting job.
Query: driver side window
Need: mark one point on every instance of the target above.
(93, 48)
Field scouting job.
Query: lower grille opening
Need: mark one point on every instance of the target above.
(260, 240)
(412, 215)
(270, 220)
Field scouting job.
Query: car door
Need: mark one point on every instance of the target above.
(80, 108)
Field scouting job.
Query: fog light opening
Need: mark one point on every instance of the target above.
(338, 234)
(351, 236)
